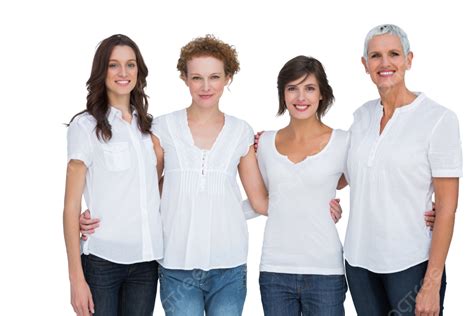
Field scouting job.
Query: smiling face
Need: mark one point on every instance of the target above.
(122, 73)
(302, 97)
(206, 80)
(386, 63)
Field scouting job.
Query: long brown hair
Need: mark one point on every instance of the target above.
(97, 102)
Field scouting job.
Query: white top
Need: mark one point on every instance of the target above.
(391, 178)
(300, 235)
(203, 221)
(121, 189)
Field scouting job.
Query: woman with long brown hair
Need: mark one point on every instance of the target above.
(112, 162)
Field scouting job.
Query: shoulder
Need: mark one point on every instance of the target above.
(160, 121)
(434, 113)
(341, 134)
(341, 137)
(83, 121)
(239, 126)
(236, 121)
(267, 136)
(366, 108)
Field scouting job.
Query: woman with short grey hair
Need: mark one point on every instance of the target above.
(404, 147)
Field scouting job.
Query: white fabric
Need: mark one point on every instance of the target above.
(121, 189)
(300, 235)
(391, 179)
(203, 221)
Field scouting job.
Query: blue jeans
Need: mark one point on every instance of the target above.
(308, 294)
(392, 294)
(217, 292)
(121, 289)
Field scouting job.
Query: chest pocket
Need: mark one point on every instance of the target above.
(117, 156)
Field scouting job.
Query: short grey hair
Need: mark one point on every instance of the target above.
(387, 29)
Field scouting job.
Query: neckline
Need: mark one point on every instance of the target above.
(190, 137)
(309, 157)
(420, 96)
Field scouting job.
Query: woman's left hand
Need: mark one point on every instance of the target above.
(335, 210)
(427, 301)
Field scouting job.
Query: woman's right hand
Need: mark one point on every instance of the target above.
(256, 138)
(81, 299)
(87, 224)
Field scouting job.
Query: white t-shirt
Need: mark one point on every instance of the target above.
(300, 235)
(121, 189)
(203, 221)
(391, 178)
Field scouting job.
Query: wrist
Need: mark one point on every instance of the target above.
(76, 278)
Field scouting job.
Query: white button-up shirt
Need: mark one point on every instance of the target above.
(121, 189)
(391, 178)
(203, 222)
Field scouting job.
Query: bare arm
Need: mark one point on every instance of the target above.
(160, 160)
(342, 183)
(81, 297)
(446, 199)
(253, 183)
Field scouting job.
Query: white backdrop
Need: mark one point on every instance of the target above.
(46, 55)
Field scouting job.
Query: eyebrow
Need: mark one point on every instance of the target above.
(116, 60)
(306, 85)
(198, 74)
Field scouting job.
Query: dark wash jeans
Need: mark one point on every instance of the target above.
(392, 294)
(285, 294)
(121, 289)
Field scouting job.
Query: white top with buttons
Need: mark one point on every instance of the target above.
(121, 189)
(203, 221)
(391, 179)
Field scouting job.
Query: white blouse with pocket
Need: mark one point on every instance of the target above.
(121, 189)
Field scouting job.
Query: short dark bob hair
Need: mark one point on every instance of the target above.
(302, 67)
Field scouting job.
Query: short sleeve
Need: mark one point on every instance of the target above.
(247, 138)
(346, 156)
(79, 143)
(445, 154)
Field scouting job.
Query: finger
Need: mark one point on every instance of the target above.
(85, 221)
(91, 304)
(429, 219)
(84, 237)
(335, 207)
(84, 310)
(430, 213)
(86, 226)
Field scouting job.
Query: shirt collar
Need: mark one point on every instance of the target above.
(114, 113)
(420, 96)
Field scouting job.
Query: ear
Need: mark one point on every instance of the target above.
(228, 79)
(183, 77)
(409, 60)
(364, 62)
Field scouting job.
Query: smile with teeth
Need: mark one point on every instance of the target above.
(301, 107)
(386, 73)
(122, 82)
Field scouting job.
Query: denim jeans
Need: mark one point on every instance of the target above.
(392, 294)
(308, 294)
(217, 292)
(121, 289)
